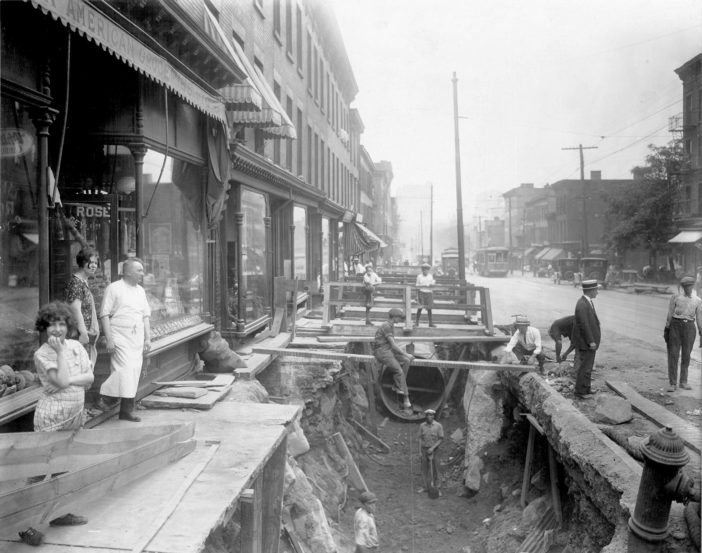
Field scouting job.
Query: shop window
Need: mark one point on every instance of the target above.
(173, 242)
(253, 260)
(325, 250)
(19, 238)
(300, 237)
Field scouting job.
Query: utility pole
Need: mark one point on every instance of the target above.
(585, 246)
(459, 196)
(421, 234)
(509, 200)
(431, 228)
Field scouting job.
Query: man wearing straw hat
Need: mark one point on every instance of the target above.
(684, 313)
(364, 530)
(586, 338)
(525, 344)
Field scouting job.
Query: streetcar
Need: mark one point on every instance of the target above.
(492, 262)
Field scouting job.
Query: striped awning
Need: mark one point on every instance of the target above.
(272, 119)
(243, 96)
(370, 236)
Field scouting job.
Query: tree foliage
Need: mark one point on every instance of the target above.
(642, 212)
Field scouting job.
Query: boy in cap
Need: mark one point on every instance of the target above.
(389, 354)
(370, 280)
(425, 295)
(431, 434)
(585, 338)
(525, 344)
(684, 313)
(364, 530)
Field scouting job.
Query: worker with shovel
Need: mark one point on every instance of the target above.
(431, 434)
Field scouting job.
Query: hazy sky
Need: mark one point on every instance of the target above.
(533, 77)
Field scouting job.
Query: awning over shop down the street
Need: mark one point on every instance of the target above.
(539, 256)
(686, 237)
(552, 254)
(371, 236)
(362, 239)
(529, 251)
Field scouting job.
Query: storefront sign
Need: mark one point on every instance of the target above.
(15, 142)
(86, 20)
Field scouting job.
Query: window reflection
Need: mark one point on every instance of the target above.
(300, 222)
(172, 242)
(253, 254)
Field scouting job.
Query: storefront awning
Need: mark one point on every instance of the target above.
(686, 237)
(552, 254)
(82, 18)
(542, 253)
(241, 97)
(529, 251)
(371, 236)
(272, 119)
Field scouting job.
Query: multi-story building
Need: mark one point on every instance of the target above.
(689, 204)
(580, 221)
(515, 222)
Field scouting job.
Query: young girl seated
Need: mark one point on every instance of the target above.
(64, 369)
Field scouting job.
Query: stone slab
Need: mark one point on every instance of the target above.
(206, 401)
(256, 362)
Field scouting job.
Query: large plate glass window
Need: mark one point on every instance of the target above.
(300, 222)
(253, 255)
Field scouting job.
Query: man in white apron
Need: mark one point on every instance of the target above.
(125, 316)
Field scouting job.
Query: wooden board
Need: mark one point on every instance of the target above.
(435, 363)
(188, 392)
(406, 339)
(19, 403)
(26, 454)
(37, 502)
(258, 362)
(207, 401)
(355, 475)
(659, 415)
(218, 381)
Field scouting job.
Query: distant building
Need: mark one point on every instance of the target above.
(689, 205)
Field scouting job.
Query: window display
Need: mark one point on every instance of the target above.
(300, 222)
(173, 243)
(19, 239)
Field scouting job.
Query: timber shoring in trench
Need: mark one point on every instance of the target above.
(418, 362)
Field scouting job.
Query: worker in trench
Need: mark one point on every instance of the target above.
(364, 530)
(525, 346)
(392, 356)
(431, 434)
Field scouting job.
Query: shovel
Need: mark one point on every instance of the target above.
(433, 490)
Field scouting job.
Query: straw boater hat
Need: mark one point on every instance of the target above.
(590, 284)
(429, 412)
(426, 266)
(687, 280)
(368, 497)
(522, 320)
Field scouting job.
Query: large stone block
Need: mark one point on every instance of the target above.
(613, 409)
(471, 474)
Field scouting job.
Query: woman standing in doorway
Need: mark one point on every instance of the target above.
(80, 299)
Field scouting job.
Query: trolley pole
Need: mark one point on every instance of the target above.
(580, 147)
(459, 196)
(431, 228)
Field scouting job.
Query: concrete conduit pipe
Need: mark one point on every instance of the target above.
(427, 386)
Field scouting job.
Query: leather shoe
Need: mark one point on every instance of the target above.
(583, 396)
(685, 386)
(671, 388)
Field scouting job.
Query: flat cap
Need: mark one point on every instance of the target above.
(368, 497)
(395, 312)
(429, 412)
(687, 280)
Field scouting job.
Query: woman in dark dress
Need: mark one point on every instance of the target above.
(80, 299)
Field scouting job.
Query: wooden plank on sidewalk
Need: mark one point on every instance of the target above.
(659, 415)
(500, 339)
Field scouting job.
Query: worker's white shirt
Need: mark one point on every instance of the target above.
(371, 279)
(424, 282)
(531, 340)
(365, 533)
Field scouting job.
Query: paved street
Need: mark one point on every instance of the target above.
(632, 325)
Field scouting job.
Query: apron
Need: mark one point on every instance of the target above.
(126, 361)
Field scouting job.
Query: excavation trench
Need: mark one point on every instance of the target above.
(482, 462)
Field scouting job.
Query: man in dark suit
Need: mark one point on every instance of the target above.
(586, 338)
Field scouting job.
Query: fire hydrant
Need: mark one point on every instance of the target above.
(662, 482)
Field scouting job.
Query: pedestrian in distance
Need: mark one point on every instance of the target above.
(64, 370)
(684, 313)
(586, 338)
(424, 292)
(392, 356)
(370, 281)
(562, 328)
(365, 532)
(125, 314)
(79, 298)
(431, 434)
(358, 267)
(525, 345)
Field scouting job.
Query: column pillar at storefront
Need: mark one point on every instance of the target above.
(292, 252)
(269, 267)
(309, 250)
(43, 119)
(138, 152)
(240, 322)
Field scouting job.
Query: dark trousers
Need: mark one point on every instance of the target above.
(584, 362)
(426, 473)
(397, 365)
(680, 339)
(523, 354)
